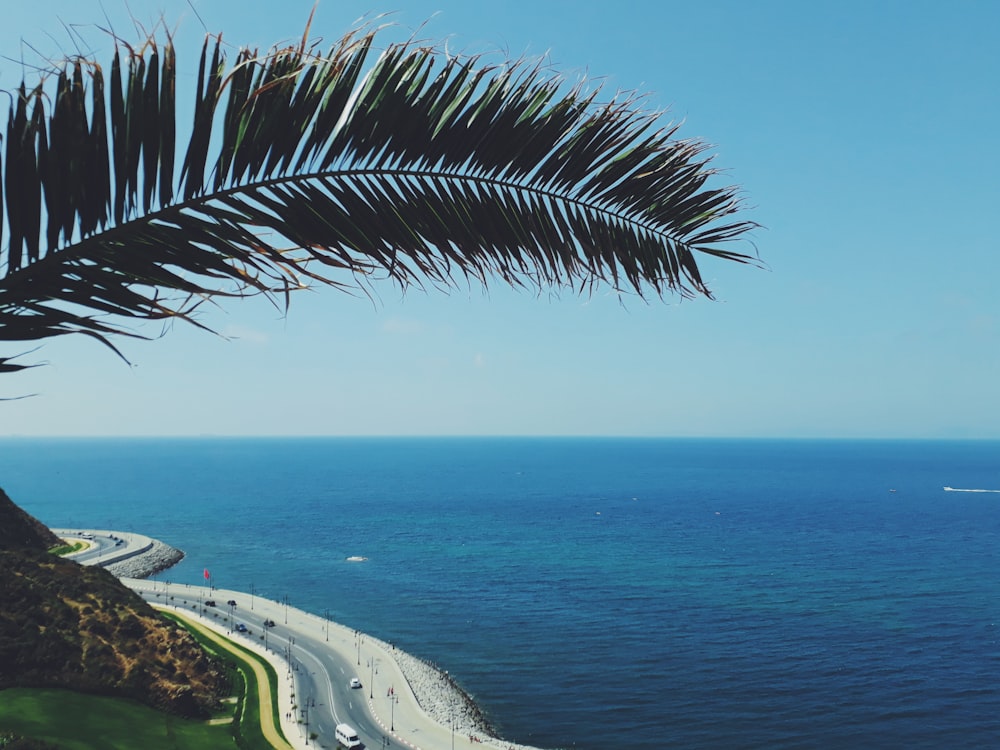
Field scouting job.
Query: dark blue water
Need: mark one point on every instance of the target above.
(648, 593)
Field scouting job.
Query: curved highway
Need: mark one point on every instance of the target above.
(316, 676)
(103, 547)
(315, 660)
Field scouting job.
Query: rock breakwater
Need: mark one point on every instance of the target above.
(158, 557)
(445, 701)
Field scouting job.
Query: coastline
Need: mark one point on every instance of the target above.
(435, 691)
(155, 560)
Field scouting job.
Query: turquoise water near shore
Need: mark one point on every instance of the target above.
(687, 593)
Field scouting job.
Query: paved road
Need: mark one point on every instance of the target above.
(105, 547)
(314, 699)
(315, 661)
(268, 724)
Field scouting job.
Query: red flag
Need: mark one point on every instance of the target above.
(207, 575)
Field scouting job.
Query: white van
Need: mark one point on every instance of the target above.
(347, 737)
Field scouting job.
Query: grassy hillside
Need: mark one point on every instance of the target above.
(64, 625)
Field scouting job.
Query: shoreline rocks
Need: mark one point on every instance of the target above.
(436, 691)
(157, 558)
(444, 700)
(439, 695)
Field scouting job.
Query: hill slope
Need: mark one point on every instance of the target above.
(19, 530)
(66, 625)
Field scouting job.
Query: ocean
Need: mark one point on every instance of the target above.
(647, 593)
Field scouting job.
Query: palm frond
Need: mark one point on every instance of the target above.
(306, 168)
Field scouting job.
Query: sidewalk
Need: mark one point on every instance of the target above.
(292, 730)
(399, 714)
(387, 692)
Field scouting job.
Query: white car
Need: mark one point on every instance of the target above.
(355, 683)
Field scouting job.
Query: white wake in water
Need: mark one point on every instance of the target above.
(958, 489)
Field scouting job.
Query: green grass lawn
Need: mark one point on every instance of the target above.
(248, 717)
(66, 549)
(75, 721)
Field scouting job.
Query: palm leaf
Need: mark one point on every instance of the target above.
(304, 168)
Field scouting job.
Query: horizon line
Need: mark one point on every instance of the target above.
(496, 436)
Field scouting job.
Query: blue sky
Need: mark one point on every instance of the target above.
(863, 134)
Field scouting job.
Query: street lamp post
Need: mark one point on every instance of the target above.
(328, 625)
(371, 685)
(392, 712)
(251, 595)
(285, 599)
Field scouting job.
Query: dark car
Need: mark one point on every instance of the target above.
(210, 603)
